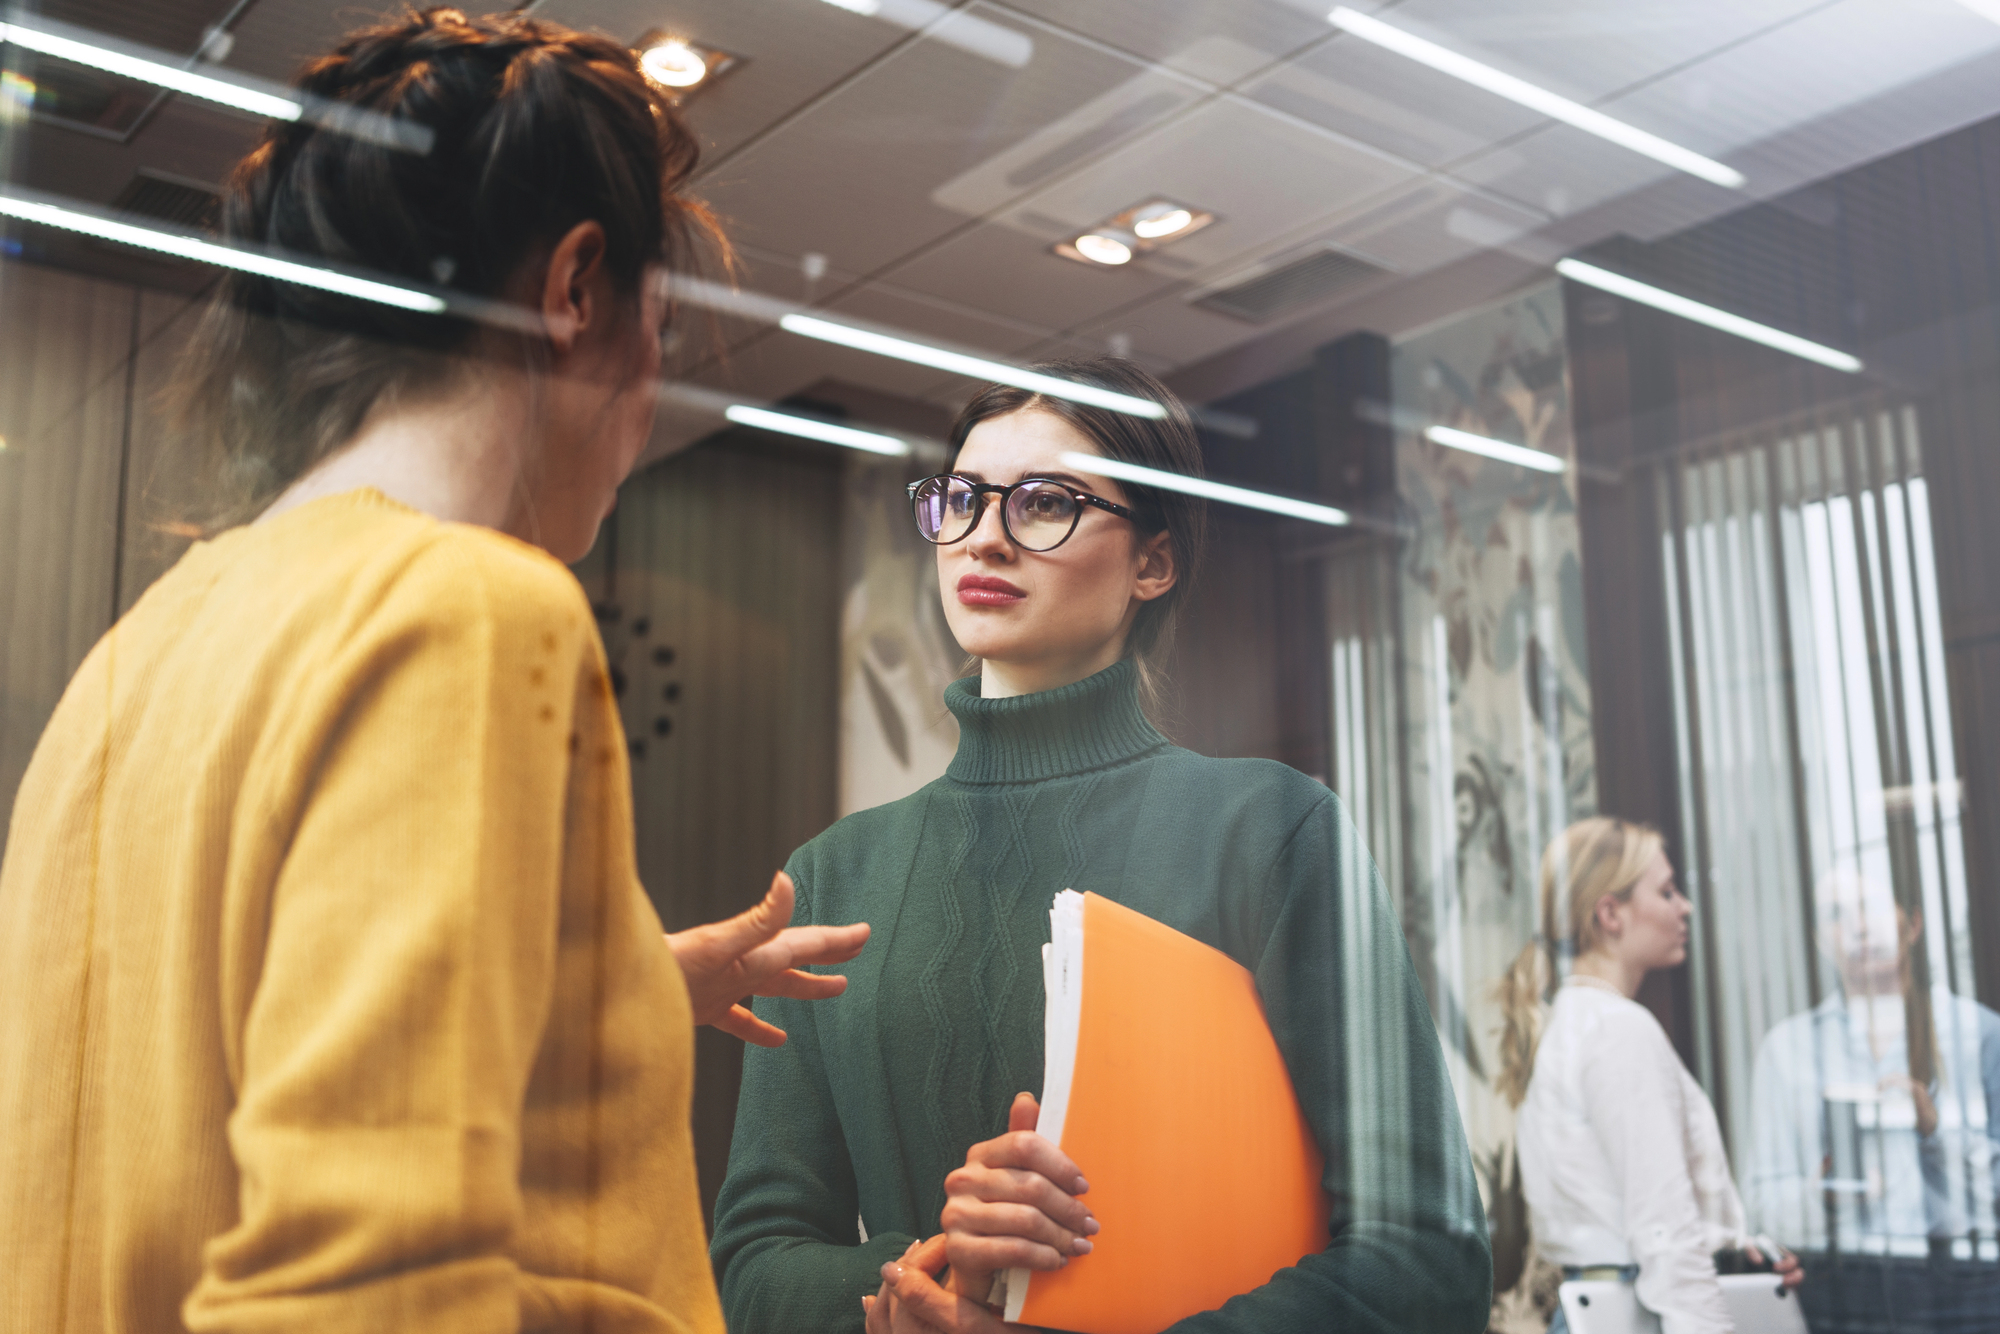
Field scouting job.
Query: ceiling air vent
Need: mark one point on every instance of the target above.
(189, 205)
(1274, 292)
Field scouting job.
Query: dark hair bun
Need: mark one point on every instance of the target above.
(531, 129)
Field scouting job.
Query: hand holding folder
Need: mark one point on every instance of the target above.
(1164, 1085)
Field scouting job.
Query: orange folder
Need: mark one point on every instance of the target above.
(1166, 1088)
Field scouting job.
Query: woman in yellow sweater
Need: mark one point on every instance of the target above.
(329, 999)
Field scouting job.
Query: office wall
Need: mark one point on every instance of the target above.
(81, 364)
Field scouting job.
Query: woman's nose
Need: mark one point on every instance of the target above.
(989, 534)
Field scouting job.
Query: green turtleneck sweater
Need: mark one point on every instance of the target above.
(879, 1093)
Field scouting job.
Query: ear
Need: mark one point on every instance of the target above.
(570, 297)
(1609, 920)
(1157, 572)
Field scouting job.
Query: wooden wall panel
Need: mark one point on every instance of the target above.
(65, 345)
(720, 575)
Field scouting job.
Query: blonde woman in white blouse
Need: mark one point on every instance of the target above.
(1621, 1157)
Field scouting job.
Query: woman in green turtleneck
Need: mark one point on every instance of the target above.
(892, 1115)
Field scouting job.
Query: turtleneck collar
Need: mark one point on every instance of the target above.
(1089, 724)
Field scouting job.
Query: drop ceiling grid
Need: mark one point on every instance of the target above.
(1179, 36)
(957, 268)
(894, 116)
(854, 180)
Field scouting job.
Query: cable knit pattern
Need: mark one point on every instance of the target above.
(880, 1093)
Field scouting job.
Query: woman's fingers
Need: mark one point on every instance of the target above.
(803, 986)
(1013, 1186)
(1025, 1114)
(1028, 1151)
(918, 1295)
(1034, 1230)
(798, 946)
(756, 953)
(822, 944)
(739, 1022)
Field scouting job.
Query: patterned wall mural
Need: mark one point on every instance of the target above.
(1496, 692)
(896, 653)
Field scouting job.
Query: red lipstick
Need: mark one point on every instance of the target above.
(984, 590)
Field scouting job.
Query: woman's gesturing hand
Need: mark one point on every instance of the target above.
(755, 954)
(1013, 1206)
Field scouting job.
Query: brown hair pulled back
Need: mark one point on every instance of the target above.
(1588, 862)
(535, 128)
(1167, 443)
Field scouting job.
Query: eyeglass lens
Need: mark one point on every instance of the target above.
(1039, 515)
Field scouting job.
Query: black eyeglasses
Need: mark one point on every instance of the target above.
(1037, 513)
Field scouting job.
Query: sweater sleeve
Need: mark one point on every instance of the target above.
(1635, 1100)
(787, 1248)
(1407, 1247)
(402, 943)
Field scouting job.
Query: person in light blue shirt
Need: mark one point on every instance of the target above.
(1876, 1133)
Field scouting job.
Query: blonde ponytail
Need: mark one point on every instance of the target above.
(1586, 863)
(1522, 991)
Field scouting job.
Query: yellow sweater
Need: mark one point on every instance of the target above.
(329, 998)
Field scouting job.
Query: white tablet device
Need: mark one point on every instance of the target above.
(1758, 1304)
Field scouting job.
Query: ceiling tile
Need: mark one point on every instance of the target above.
(1014, 273)
(1217, 40)
(854, 179)
(1390, 102)
(1808, 69)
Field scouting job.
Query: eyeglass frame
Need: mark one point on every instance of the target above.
(1005, 493)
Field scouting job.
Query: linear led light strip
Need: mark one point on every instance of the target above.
(1674, 304)
(811, 429)
(1118, 470)
(13, 205)
(1539, 459)
(83, 47)
(152, 71)
(1447, 61)
(960, 363)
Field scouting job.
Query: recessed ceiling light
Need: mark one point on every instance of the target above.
(1106, 246)
(1134, 232)
(682, 65)
(1160, 218)
(674, 63)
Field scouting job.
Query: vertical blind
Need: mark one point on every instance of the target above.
(1816, 770)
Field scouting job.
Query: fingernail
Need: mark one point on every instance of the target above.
(1081, 1246)
(1081, 1186)
(892, 1272)
(1091, 1227)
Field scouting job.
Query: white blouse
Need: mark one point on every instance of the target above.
(1622, 1160)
